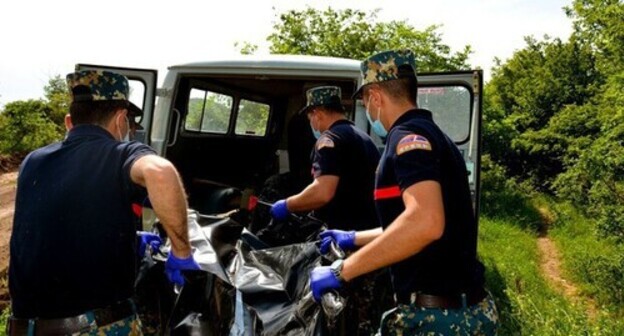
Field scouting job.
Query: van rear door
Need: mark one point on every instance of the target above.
(142, 93)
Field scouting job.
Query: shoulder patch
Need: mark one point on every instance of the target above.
(324, 141)
(412, 142)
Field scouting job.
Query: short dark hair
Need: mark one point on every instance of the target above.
(336, 108)
(401, 89)
(95, 112)
(330, 108)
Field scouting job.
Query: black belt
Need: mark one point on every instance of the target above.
(457, 301)
(73, 324)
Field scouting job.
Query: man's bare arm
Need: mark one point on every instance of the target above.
(167, 196)
(364, 237)
(315, 195)
(420, 224)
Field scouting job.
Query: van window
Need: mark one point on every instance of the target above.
(252, 118)
(451, 108)
(208, 112)
(137, 95)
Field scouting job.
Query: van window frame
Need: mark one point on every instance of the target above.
(471, 105)
(236, 95)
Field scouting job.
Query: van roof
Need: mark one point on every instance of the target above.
(301, 62)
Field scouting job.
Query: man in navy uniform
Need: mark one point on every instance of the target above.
(73, 263)
(429, 236)
(343, 166)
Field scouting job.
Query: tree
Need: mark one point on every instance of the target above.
(252, 118)
(246, 48)
(595, 176)
(355, 34)
(58, 100)
(600, 24)
(554, 114)
(526, 93)
(25, 126)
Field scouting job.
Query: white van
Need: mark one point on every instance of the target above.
(232, 124)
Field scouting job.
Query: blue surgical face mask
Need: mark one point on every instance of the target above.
(316, 133)
(377, 126)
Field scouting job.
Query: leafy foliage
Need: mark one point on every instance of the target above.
(502, 197)
(4, 318)
(524, 95)
(554, 118)
(554, 114)
(252, 118)
(58, 99)
(26, 126)
(212, 112)
(356, 34)
(600, 24)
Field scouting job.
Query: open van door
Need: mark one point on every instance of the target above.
(142, 93)
(455, 100)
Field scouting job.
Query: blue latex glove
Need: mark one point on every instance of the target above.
(344, 239)
(146, 238)
(279, 210)
(174, 266)
(322, 279)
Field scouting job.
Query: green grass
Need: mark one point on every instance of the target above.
(595, 264)
(4, 317)
(527, 303)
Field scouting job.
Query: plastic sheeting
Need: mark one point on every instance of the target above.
(246, 287)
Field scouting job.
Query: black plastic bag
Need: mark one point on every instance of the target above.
(244, 288)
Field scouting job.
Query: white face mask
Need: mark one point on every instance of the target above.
(125, 138)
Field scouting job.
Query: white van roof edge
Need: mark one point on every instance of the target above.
(302, 62)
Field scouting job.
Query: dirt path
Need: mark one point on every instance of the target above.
(551, 267)
(8, 183)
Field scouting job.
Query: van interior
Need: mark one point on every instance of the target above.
(242, 135)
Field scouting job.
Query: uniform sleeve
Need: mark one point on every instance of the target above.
(416, 158)
(133, 151)
(326, 160)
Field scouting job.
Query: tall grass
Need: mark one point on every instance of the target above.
(527, 305)
(595, 264)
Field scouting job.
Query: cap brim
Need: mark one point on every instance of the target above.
(138, 126)
(358, 93)
(305, 109)
(135, 111)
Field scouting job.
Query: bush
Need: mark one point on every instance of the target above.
(605, 274)
(25, 127)
(504, 198)
(611, 222)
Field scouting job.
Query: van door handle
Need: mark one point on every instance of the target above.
(178, 116)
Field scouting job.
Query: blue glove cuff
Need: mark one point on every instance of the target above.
(323, 279)
(187, 263)
(349, 242)
(279, 210)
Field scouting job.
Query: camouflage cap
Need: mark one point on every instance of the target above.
(385, 66)
(330, 96)
(98, 85)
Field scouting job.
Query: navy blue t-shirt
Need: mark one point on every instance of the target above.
(417, 150)
(73, 240)
(347, 152)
